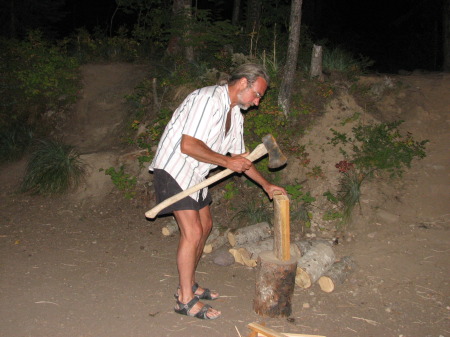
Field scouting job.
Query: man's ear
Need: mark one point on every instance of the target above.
(243, 82)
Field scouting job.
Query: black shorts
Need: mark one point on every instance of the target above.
(166, 187)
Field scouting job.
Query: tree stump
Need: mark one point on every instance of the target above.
(275, 282)
(316, 63)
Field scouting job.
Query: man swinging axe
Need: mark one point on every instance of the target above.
(206, 127)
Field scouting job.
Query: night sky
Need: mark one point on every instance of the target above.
(396, 34)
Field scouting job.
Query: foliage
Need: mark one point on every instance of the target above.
(375, 147)
(381, 147)
(86, 47)
(123, 181)
(350, 191)
(301, 203)
(254, 211)
(53, 168)
(37, 82)
(338, 59)
(230, 190)
(14, 141)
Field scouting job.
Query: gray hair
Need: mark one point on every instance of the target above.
(251, 71)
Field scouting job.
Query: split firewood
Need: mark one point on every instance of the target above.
(314, 263)
(253, 233)
(337, 274)
(248, 254)
(215, 240)
(170, 228)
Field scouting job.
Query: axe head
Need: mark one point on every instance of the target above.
(276, 157)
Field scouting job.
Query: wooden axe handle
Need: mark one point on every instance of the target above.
(257, 153)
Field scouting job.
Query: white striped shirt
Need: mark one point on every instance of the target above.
(202, 115)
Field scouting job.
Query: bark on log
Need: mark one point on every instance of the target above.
(253, 233)
(337, 274)
(314, 264)
(305, 245)
(275, 282)
(215, 240)
(248, 254)
(170, 228)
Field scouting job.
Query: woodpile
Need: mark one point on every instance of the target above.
(316, 260)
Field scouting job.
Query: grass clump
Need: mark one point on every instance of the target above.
(53, 168)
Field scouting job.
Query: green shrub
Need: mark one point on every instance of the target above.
(123, 181)
(53, 168)
(381, 147)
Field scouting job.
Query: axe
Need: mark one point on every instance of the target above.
(269, 145)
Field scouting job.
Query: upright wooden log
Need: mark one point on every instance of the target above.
(281, 227)
(275, 282)
(311, 266)
(253, 233)
(337, 274)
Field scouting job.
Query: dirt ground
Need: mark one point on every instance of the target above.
(90, 264)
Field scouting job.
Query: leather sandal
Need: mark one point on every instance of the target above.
(185, 309)
(205, 295)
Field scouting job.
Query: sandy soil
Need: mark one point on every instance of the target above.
(90, 264)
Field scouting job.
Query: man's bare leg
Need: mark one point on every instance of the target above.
(192, 240)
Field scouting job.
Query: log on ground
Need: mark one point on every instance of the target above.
(170, 228)
(215, 240)
(311, 266)
(275, 282)
(253, 233)
(337, 274)
(248, 254)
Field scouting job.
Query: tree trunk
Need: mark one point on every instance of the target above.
(183, 7)
(236, 12)
(446, 35)
(284, 97)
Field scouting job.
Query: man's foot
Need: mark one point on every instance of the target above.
(195, 308)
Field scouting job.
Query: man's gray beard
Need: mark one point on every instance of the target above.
(243, 107)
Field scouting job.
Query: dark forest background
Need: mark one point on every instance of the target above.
(401, 34)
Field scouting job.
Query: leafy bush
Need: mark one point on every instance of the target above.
(123, 181)
(53, 168)
(381, 147)
(36, 80)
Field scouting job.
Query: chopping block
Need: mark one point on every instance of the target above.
(276, 269)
